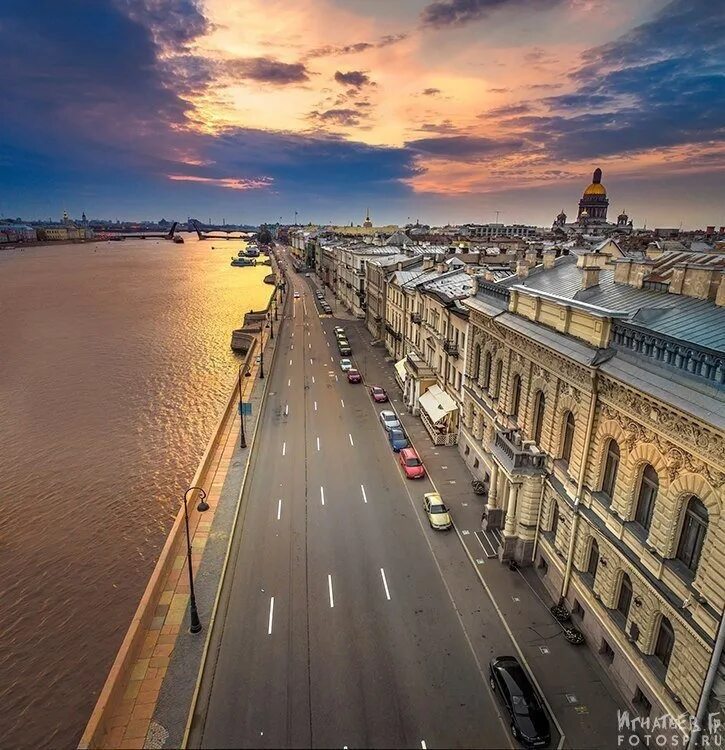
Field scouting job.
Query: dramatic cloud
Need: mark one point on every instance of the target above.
(337, 116)
(505, 111)
(171, 22)
(444, 13)
(331, 50)
(267, 70)
(463, 146)
(230, 183)
(439, 127)
(355, 78)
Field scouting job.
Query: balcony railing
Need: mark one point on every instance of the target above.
(494, 290)
(450, 347)
(695, 360)
(520, 457)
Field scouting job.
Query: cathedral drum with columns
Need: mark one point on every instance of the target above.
(594, 202)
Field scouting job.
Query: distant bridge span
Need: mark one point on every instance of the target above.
(198, 228)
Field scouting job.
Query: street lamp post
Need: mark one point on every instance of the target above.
(195, 622)
(261, 352)
(271, 325)
(243, 437)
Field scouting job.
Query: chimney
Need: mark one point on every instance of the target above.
(531, 257)
(441, 268)
(592, 259)
(639, 270)
(622, 267)
(549, 258)
(428, 263)
(720, 296)
(590, 276)
(488, 276)
(695, 280)
(522, 269)
(653, 251)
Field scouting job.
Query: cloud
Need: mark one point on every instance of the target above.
(171, 22)
(439, 127)
(505, 111)
(443, 13)
(430, 92)
(464, 146)
(230, 183)
(355, 78)
(499, 91)
(389, 39)
(267, 70)
(331, 50)
(338, 116)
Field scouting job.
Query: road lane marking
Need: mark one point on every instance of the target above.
(365, 497)
(271, 615)
(313, 378)
(318, 443)
(423, 745)
(289, 382)
(286, 409)
(336, 378)
(290, 363)
(385, 583)
(329, 586)
(343, 403)
(322, 495)
(315, 405)
(310, 360)
(284, 448)
(291, 346)
(309, 346)
(279, 509)
(351, 443)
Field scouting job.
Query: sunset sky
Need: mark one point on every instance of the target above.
(443, 110)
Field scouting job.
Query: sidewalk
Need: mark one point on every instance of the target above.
(580, 693)
(158, 693)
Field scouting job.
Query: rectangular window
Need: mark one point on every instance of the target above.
(606, 651)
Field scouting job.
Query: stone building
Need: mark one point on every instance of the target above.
(593, 408)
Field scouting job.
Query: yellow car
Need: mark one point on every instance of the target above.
(438, 515)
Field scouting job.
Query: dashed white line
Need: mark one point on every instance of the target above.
(385, 584)
(310, 360)
(318, 443)
(313, 378)
(271, 615)
(332, 359)
(342, 403)
(337, 379)
(423, 745)
(309, 346)
(365, 497)
(289, 382)
(329, 587)
(351, 443)
(322, 495)
(284, 448)
(279, 509)
(290, 363)
(315, 405)
(286, 409)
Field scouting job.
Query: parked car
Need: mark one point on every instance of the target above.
(438, 516)
(354, 376)
(326, 309)
(389, 420)
(307, 276)
(338, 331)
(397, 439)
(529, 724)
(379, 395)
(344, 348)
(297, 295)
(411, 463)
(346, 365)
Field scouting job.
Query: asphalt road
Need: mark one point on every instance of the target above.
(337, 625)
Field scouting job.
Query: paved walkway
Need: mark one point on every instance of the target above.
(151, 701)
(580, 693)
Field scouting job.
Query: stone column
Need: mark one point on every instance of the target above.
(510, 527)
(493, 486)
(493, 515)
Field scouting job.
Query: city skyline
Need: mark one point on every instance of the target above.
(446, 111)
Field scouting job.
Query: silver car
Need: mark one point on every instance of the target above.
(389, 420)
(345, 364)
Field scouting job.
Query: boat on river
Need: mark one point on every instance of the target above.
(244, 261)
(178, 240)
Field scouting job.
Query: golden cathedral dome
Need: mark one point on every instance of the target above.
(596, 188)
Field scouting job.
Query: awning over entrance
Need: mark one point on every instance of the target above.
(437, 403)
(400, 369)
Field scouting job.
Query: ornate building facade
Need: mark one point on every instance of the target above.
(601, 439)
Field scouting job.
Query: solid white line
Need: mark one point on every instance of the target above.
(284, 448)
(271, 615)
(286, 409)
(322, 495)
(385, 583)
(279, 509)
(315, 405)
(343, 403)
(351, 443)
(365, 497)
(318, 443)
(329, 586)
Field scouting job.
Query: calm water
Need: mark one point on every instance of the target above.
(114, 364)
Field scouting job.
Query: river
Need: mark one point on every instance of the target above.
(114, 365)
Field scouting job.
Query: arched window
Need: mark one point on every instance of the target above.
(624, 600)
(516, 396)
(648, 486)
(476, 364)
(665, 642)
(693, 533)
(568, 437)
(611, 466)
(539, 409)
(486, 379)
(555, 518)
(593, 561)
(497, 379)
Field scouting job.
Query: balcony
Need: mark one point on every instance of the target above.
(450, 347)
(391, 330)
(517, 456)
(415, 318)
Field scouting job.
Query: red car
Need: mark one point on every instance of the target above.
(412, 465)
(354, 376)
(379, 395)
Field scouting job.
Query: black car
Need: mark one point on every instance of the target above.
(529, 724)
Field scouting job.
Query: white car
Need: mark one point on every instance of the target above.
(345, 364)
(297, 295)
(389, 420)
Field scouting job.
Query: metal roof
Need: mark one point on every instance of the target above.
(455, 285)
